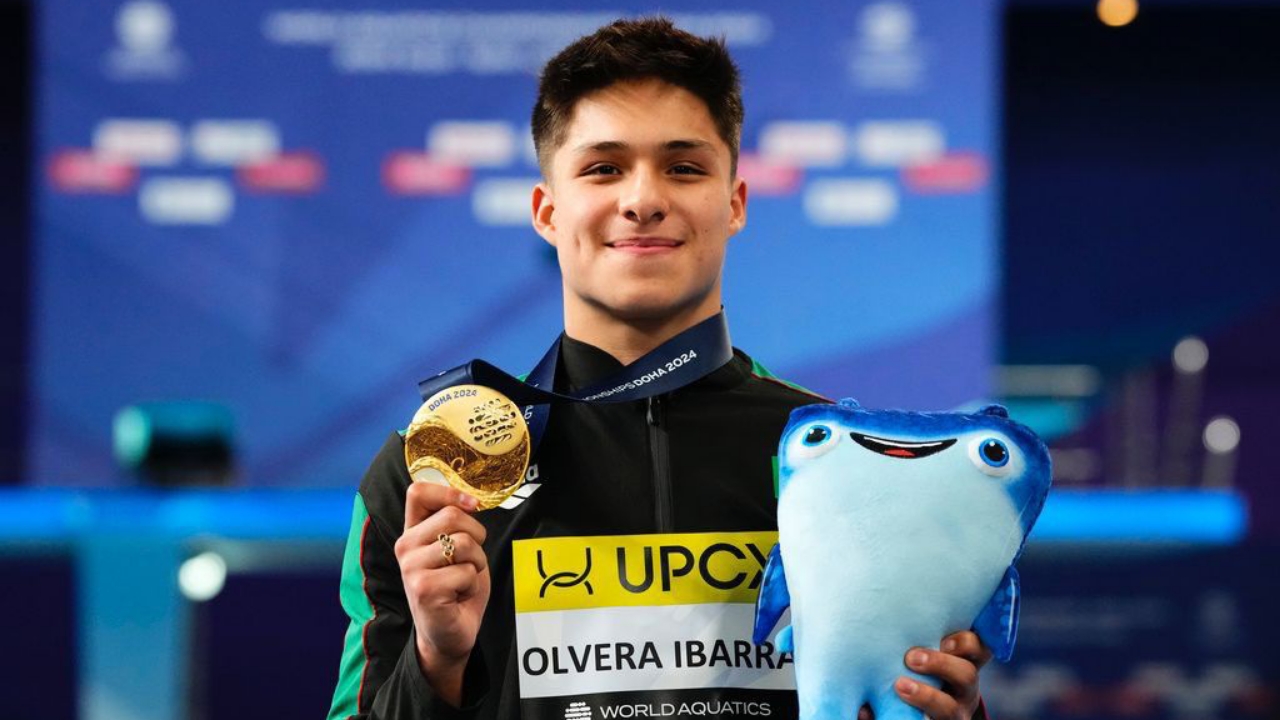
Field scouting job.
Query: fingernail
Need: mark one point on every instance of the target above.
(906, 687)
(917, 658)
(948, 645)
(469, 502)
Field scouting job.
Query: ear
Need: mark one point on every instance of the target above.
(544, 212)
(738, 206)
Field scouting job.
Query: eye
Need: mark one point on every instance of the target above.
(602, 169)
(994, 453)
(813, 440)
(991, 455)
(685, 169)
(817, 435)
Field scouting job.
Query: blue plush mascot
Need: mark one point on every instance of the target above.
(894, 530)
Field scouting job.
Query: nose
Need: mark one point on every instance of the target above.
(643, 200)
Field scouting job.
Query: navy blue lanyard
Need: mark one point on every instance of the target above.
(675, 363)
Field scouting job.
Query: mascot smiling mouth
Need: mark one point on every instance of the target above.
(901, 448)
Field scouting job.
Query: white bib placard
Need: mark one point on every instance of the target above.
(646, 626)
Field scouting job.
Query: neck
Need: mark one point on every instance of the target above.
(629, 339)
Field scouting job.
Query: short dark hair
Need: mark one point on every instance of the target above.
(639, 49)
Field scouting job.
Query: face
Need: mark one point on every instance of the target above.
(639, 203)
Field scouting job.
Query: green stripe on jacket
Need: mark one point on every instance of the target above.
(356, 603)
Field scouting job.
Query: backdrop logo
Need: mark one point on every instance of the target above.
(577, 711)
(888, 26)
(144, 43)
(564, 579)
(886, 52)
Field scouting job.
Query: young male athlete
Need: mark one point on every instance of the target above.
(637, 131)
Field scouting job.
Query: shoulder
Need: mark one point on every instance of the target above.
(745, 396)
(761, 382)
(383, 487)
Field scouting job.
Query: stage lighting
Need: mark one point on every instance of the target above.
(1190, 355)
(202, 577)
(1117, 13)
(1221, 435)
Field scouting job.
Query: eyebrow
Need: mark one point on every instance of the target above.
(618, 146)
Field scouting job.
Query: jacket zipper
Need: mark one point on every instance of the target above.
(660, 461)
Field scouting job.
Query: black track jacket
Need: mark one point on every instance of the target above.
(699, 459)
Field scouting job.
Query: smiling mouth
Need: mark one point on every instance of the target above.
(901, 448)
(645, 244)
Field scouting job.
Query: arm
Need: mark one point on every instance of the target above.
(446, 580)
(382, 674)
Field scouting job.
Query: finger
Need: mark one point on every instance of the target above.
(433, 557)
(449, 520)
(968, 645)
(422, 499)
(956, 673)
(935, 703)
(442, 587)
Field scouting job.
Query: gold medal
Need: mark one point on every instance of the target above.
(473, 438)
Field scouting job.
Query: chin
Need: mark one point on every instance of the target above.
(646, 307)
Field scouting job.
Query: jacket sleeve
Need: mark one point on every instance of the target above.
(379, 676)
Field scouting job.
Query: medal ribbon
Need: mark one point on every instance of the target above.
(675, 363)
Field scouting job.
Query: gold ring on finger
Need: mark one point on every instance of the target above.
(446, 548)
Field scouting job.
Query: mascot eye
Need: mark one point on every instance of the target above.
(817, 435)
(991, 455)
(812, 441)
(994, 453)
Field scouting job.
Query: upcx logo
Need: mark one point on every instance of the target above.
(676, 561)
(565, 579)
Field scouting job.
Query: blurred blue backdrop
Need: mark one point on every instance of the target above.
(299, 212)
(281, 210)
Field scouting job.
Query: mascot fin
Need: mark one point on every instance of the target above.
(774, 597)
(997, 624)
(786, 641)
